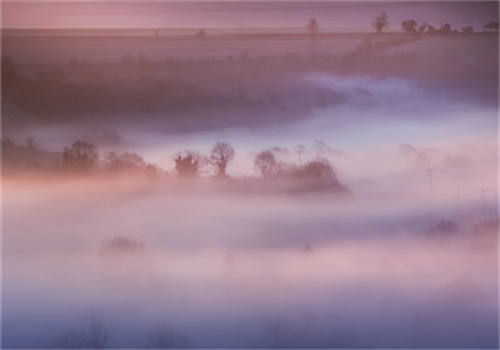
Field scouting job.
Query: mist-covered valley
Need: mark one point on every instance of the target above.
(267, 187)
(170, 265)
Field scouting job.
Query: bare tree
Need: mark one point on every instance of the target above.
(169, 338)
(222, 153)
(81, 156)
(323, 149)
(94, 338)
(312, 26)
(381, 22)
(266, 163)
(300, 150)
(124, 161)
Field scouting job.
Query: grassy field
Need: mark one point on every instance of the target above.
(34, 47)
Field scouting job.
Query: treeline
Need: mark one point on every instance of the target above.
(83, 158)
(84, 89)
(381, 24)
(136, 85)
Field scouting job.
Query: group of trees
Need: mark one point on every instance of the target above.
(82, 157)
(381, 24)
(412, 27)
(189, 163)
(319, 169)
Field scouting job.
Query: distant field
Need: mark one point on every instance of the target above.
(112, 45)
(469, 45)
(109, 48)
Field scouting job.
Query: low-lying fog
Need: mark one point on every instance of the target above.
(406, 257)
(214, 265)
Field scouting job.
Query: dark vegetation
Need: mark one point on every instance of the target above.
(95, 337)
(121, 246)
(443, 229)
(82, 158)
(164, 338)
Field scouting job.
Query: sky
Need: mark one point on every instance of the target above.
(332, 16)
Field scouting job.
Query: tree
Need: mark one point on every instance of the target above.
(381, 22)
(124, 161)
(321, 172)
(30, 143)
(300, 150)
(121, 245)
(222, 153)
(409, 26)
(266, 163)
(445, 29)
(468, 30)
(201, 34)
(81, 156)
(94, 338)
(312, 26)
(188, 164)
(422, 28)
(316, 169)
(491, 26)
(169, 338)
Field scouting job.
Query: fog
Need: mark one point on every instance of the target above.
(246, 175)
(239, 269)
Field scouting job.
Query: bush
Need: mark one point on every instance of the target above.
(120, 245)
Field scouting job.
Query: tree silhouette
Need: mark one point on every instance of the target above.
(121, 246)
(81, 156)
(201, 34)
(222, 153)
(300, 150)
(164, 338)
(422, 28)
(266, 163)
(409, 26)
(312, 26)
(381, 22)
(316, 169)
(94, 338)
(30, 143)
(319, 172)
(124, 161)
(445, 29)
(491, 26)
(468, 30)
(188, 164)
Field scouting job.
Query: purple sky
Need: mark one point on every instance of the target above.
(208, 14)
